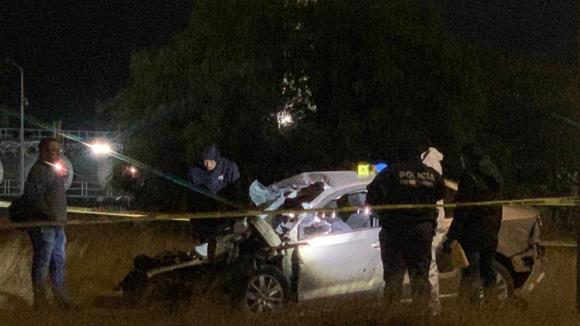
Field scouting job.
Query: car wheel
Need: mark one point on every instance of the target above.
(266, 290)
(504, 287)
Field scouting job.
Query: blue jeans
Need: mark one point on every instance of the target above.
(48, 247)
(479, 274)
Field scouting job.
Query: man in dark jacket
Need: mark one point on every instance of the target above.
(214, 172)
(476, 228)
(406, 235)
(217, 175)
(45, 194)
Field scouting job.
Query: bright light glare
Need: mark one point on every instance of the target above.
(58, 167)
(329, 240)
(131, 171)
(284, 119)
(100, 148)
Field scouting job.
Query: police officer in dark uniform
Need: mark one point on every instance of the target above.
(477, 228)
(406, 234)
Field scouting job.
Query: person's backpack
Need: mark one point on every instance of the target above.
(19, 211)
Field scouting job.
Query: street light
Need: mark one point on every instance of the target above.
(10, 61)
(101, 148)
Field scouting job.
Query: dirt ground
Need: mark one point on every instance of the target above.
(100, 255)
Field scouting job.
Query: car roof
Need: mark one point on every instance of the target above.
(334, 179)
(337, 181)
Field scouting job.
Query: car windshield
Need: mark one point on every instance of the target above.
(286, 197)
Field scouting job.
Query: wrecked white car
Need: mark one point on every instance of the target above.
(268, 260)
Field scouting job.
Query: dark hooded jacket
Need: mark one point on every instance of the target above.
(408, 182)
(477, 228)
(225, 173)
(222, 181)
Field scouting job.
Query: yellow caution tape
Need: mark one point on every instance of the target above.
(558, 244)
(120, 217)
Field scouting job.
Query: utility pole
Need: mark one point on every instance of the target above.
(575, 210)
(22, 100)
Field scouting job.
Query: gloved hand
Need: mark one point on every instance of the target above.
(447, 246)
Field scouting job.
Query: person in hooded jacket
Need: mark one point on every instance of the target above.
(406, 234)
(213, 172)
(433, 158)
(218, 176)
(477, 228)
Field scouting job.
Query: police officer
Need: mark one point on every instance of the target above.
(406, 235)
(476, 228)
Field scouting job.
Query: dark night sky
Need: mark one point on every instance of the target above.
(541, 30)
(77, 51)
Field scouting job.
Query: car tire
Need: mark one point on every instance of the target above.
(504, 285)
(264, 290)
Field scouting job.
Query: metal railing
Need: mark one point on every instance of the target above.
(83, 189)
(37, 134)
(78, 189)
(10, 187)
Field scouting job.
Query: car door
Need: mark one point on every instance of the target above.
(339, 263)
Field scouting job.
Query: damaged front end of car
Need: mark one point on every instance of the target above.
(521, 250)
(249, 253)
